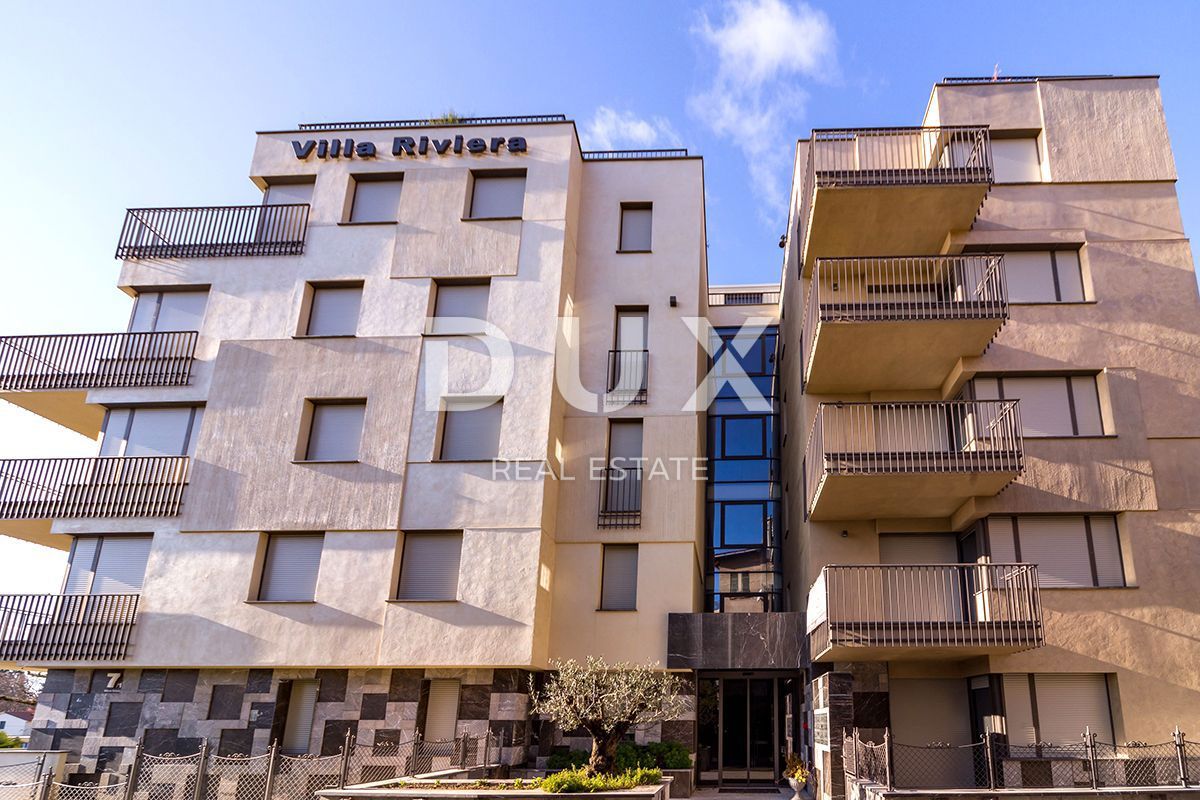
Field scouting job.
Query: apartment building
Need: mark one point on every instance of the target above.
(992, 343)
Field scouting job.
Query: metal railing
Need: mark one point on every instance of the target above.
(214, 231)
(892, 157)
(893, 289)
(425, 123)
(995, 764)
(1017, 78)
(630, 155)
(68, 488)
(66, 627)
(628, 376)
(620, 498)
(762, 298)
(933, 437)
(96, 360)
(925, 605)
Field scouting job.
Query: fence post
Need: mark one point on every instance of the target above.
(1089, 742)
(990, 758)
(46, 786)
(201, 768)
(487, 748)
(857, 763)
(462, 751)
(344, 769)
(272, 757)
(1181, 755)
(131, 779)
(887, 757)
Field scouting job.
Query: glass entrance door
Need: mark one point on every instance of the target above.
(739, 723)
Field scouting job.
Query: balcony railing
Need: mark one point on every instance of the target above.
(69, 488)
(628, 372)
(743, 298)
(96, 360)
(894, 289)
(925, 605)
(214, 231)
(620, 498)
(66, 627)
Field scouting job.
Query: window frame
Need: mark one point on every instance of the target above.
(308, 416)
(311, 288)
(1053, 249)
(1072, 406)
(404, 556)
(262, 562)
(443, 414)
(485, 174)
(638, 205)
(604, 548)
(1089, 538)
(352, 191)
(1033, 135)
(437, 285)
(189, 434)
(158, 292)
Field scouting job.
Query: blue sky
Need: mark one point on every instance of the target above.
(157, 103)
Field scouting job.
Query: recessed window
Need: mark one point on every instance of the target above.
(1057, 405)
(281, 194)
(298, 701)
(376, 199)
(1016, 160)
(333, 309)
(1070, 551)
(335, 430)
(149, 431)
(429, 566)
(441, 710)
(290, 567)
(1043, 276)
(107, 564)
(618, 590)
(168, 311)
(1055, 708)
(460, 308)
(636, 227)
(497, 195)
(471, 434)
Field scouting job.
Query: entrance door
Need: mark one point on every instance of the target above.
(743, 731)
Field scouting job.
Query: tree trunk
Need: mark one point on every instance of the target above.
(604, 754)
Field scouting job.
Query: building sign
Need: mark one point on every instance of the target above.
(407, 146)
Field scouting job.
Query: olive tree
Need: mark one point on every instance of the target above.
(607, 701)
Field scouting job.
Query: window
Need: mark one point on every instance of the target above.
(618, 584)
(636, 227)
(498, 194)
(333, 309)
(107, 564)
(168, 311)
(429, 566)
(625, 443)
(376, 199)
(1060, 405)
(1070, 551)
(441, 710)
(471, 434)
(628, 361)
(460, 308)
(281, 194)
(1056, 708)
(335, 430)
(149, 431)
(290, 567)
(300, 703)
(1016, 160)
(1044, 276)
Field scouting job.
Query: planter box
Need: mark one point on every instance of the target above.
(682, 781)
(458, 790)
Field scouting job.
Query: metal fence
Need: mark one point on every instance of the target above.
(755, 298)
(67, 488)
(628, 374)
(633, 155)
(425, 123)
(96, 360)
(620, 498)
(994, 763)
(214, 231)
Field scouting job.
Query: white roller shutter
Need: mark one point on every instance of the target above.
(471, 434)
(1030, 277)
(460, 307)
(1016, 160)
(1087, 405)
(1018, 710)
(918, 548)
(441, 712)
(1058, 545)
(429, 566)
(925, 710)
(181, 311)
(291, 567)
(336, 431)
(281, 194)
(302, 705)
(376, 201)
(636, 228)
(1070, 275)
(1106, 544)
(625, 443)
(1000, 540)
(498, 196)
(619, 585)
(1068, 703)
(158, 432)
(122, 565)
(1045, 409)
(83, 559)
(334, 310)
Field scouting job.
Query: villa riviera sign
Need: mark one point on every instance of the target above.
(408, 146)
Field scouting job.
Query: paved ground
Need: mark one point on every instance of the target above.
(765, 793)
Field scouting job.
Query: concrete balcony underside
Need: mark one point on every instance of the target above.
(900, 645)
(905, 494)
(67, 408)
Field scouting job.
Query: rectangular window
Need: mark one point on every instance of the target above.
(290, 567)
(618, 590)
(498, 195)
(301, 707)
(376, 199)
(168, 311)
(148, 431)
(333, 309)
(282, 194)
(1043, 276)
(1070, 551)
(460, 308)
(1059, 405)
(1016, 160)
(471, 434)
(636, 227)
(107, 564)
(441, 710)
(1056, 708)
(335, 430)
(429, 566)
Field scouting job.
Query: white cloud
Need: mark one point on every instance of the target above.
(763, 49)
(612, 130)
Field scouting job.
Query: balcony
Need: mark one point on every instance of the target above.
(890, 190)
(41, 628)
(35, 491)
(874, 324)
(746, 298)
(214, 231)
(620, 498)
(50, 375)
(628, 373)
(875, 612)
(872, 460)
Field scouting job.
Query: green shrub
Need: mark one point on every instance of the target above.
(567, 760)
(8, 742)
(578, 780)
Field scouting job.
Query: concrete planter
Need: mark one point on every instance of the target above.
(469, 790)
(682, 781)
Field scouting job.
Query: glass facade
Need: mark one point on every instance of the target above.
(742, 561)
